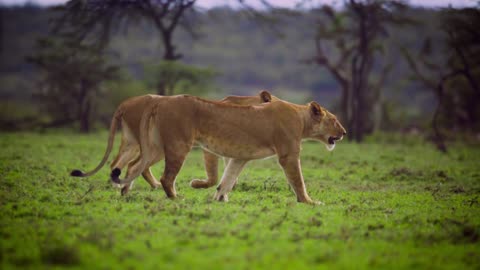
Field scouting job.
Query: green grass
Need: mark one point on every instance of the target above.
(387, 206)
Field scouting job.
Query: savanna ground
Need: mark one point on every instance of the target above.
(387, 205)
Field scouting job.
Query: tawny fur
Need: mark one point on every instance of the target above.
(129, 114)
(171, 125)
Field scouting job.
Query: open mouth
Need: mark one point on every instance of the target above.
(331, 139)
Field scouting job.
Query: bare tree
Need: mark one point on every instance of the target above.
(99, 18)
(433, 79)
(94, 21)
(356, 34)
(461, 52)
(463, 38)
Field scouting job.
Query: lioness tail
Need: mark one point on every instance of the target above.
(111, 137)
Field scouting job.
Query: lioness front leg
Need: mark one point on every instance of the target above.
(293, 171)
(211, 167)
(229, 178)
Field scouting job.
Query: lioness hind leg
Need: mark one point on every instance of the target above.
(129, 151)
(174, 158)
(147, 173)
(126, 188)
(229, 178)
(124, 157)
(115, 173)
(211, 167)
(148, 176)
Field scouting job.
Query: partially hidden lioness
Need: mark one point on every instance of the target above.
(129, 113)
(172, 124)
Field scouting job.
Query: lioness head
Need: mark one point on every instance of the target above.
(325, 126)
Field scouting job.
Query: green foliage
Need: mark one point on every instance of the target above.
(387, 205)
(72, 74)
(119, 90)
(116, 91)
(247, 55)
(170, 77)
(20, 115)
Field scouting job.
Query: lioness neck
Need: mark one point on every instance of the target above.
(307, 123)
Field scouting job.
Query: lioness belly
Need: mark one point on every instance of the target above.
(236, 150)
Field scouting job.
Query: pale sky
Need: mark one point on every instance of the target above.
(282, 3)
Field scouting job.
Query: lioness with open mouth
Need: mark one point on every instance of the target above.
(129, 114)
(171, 126)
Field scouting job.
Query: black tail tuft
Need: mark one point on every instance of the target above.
(76, 173)
(115, 173)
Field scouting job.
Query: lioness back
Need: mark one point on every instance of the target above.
(227, 129)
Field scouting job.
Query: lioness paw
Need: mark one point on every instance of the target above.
(197, 183)
(312, 202)
(221, 197)
(124, 190)
(156, 185)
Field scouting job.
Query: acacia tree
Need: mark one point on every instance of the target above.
(171, 76)
(356, 35)
(72, 74)
(94, 21)
(97, 20)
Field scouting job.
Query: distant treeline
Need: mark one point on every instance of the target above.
(247, 54)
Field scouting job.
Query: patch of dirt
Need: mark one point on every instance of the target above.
(459, 232)
(243, 186)
(469, 234)
(61, 255)
(457, 189)
(374, 227)
(441, 174)
(351, 208)
(313, 221)
(402, 171)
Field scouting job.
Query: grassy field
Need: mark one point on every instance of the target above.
(387, 206)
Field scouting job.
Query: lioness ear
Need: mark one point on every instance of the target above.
(265, 96)
(316, 109)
